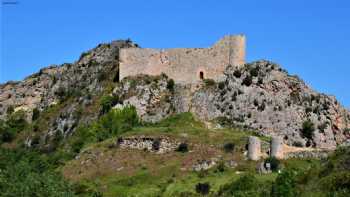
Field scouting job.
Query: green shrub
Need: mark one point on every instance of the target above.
(183, 147)
(246, 186)
(298, 144)
(247, 81)
(170, 85)
(285, 184)
(61, 93)
(209, 82)
(183, 119)
(237, 73)
(308, 129)
(244, 183)
(308, 110)
(107, 102)
(15, 123)
(27, 173)
(6, 134)
(83, 55)
(203, 188)
(101, 76)
(36, 114)
(113, 123)
(224, 122)
(274, 162)
(156, 144)
(10, 109)
(82, 135)
(202, 173)
(221, 85)
(229, 147)
(220, 167)
(254, 72)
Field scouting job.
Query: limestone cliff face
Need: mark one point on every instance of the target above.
(151, 95)
(262, 96)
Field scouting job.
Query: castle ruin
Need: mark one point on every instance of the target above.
(184, 65)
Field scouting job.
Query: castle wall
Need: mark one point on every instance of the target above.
(184, 64)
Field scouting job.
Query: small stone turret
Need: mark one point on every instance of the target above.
(277, 147)
(254, 148)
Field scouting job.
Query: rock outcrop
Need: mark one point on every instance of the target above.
(54, 83)
(151, 95)
(263, 96)
(259, 95)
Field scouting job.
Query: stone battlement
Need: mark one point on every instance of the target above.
(184, 65)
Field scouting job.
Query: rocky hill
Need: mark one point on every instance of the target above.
(258, 95)
(77, 130)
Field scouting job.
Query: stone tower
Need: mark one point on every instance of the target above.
(254, 148)
(277, 147)
(184, 65)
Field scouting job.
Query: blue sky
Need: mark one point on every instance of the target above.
(307, 37)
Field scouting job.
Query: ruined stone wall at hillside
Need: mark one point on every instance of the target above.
(184, 64)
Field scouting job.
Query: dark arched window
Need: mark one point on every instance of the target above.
(201, 75)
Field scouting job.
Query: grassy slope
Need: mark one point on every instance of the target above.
(116, 172)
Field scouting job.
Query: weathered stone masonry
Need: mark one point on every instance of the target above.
(184, 65)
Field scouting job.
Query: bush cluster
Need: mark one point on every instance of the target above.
(274, 162)
(254, 71)
(203, 188)
(27, 173)
(285, 184)
(247, 185)
(247, 81)
(15, 124)
(308, 129)
(107, 102)
(229, 147)
(171, 85)
(156, 144)
(209, 82)
(237, 73)
(111, 124)
(183, 147)
(36, 114)
(221, 85)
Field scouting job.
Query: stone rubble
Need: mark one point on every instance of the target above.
(158, 145)
(204, 165)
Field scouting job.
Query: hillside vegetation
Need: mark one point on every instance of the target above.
(93, 165)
